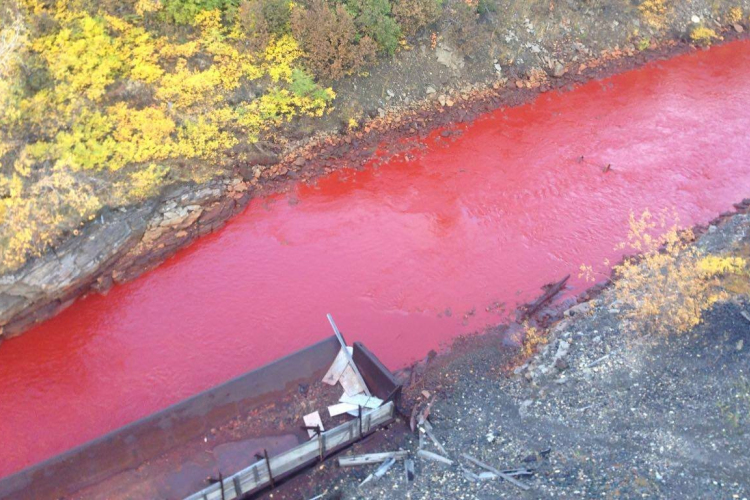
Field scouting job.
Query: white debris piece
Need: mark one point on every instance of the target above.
(361, 400)
(313, 420)
(341, 408)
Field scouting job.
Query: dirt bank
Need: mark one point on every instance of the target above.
(122, 243)
(595, 412)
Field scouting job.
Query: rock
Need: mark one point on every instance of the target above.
(430, 90)
(562, 350)
(299, 162)
(498, 69)
(740, 344)
(390, 93)
(448, 58)
(579, 309)
(558, 70)
(523, 408)
(738, 28)
(561, 364)
(449, 102)
(712, 229)
(695, 19)
(381, 112)
(441, 100)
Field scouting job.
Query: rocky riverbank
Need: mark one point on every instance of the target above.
(433, 86)
(596, 411)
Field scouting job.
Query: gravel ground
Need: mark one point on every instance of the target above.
(595, 413)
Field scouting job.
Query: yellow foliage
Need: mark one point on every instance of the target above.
(655, 13)
(669, 287)
(703, 36)
(117, 96)
(145, 183)
(34, 217)
(532, 340)
(81, 57)
(735, 15)
(280, 55)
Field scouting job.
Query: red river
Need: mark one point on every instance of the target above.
(399, 254)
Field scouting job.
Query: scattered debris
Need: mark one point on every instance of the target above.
(361, 400)
(380, 472)
(312, 420)
(434, 457)
(348, 355)
(341, 408)
(745, 315)
(371, 458)
(409, 470)
(498, 473)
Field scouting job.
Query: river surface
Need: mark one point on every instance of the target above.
(406, 256)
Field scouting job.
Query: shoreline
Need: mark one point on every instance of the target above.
(124, 243)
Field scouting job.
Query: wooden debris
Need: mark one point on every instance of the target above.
(380, 472)
(341, 408)
(428, 430)
(348, 355)
(313, 420)
(337, 368)
(550, 290)
(745, 315)
(371, 458)
(498, 473)
(351, 384)
(426, 394)
(409, 470)
(361, 400)
(434, 457)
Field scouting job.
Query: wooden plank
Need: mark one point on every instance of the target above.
(313, 420)
(351, 384)
(256, 476)
(380, 472)
(434, 457)
(341, 408)
(409, 470)
(340, 363)
(371, 458)
(346, 351)
(361, 400)
(506, 477)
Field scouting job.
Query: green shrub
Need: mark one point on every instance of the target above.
(373, 18)
(330, 40)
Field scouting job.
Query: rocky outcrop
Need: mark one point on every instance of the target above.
(118, 246)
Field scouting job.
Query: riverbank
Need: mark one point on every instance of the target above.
(594, 411)
(121, 243)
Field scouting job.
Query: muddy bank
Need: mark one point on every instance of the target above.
(120, 244)
(595, 412)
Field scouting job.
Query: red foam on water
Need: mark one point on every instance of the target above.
(400, 254)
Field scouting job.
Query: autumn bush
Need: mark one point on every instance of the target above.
(413, 15)
(330, 40)
(671, 283)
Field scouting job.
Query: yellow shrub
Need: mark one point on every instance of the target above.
(280, 54)
(145, 183)
(735, 15)
(654, 13)
(81, 57)
(703, 36)
(672, 284)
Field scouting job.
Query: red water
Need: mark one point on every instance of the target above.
(488, 218)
